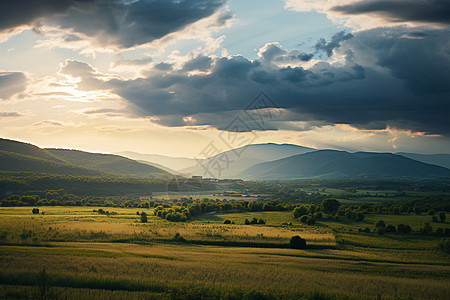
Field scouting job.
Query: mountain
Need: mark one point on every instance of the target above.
(22, 157)
(232, 162)
(442, 160)
(173, 163)
(109, 163)
(334, 164)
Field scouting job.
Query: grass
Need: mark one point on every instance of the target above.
(88, 255)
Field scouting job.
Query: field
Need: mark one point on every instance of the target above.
(74, 252)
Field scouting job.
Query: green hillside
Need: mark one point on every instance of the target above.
(26, 149)
(25, 163)
(109, 163)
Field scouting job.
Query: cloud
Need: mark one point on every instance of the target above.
(109, 23)
(17, 13)
(387, 79)
(9, 114)
(335, 42)
(426, 11)
(12, 83)
(365, 14)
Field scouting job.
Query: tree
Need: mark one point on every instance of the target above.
(144, 217)
(426, 228)
(402, 228)
(227, 222)
(300, 211)
(380, 230)
(297, 242)
(330, 205)
(390, 228)
(35, 211)
(380, 223)
(442, 216)
(247, 222)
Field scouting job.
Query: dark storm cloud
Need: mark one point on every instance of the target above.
(15, 13)
(12, 83)
(116, 23)
(428, 11)
(334, 43)
(387, 79)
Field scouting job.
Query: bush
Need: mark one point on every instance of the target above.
(426, 228)
(310, 221)
(444, 245)
(367, 230)
(144, 217)
(380, 230)
(35, 211)
(442, 216)
(390, 228)
(297, 242)
(247, 222)
(227, 222)
(303, 219)
(380, 223)
(402, 228)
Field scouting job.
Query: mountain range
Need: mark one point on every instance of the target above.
(256, 161)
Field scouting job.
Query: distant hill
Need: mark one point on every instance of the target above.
(10, 161)
(332, 164)
(26, 149)
(109, 163)
(22, 157)
(173, 163)
(442, 160)
(237, 160)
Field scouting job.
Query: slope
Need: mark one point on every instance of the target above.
(341, 165)
(109, 163)
(442, 160)
(233, 162)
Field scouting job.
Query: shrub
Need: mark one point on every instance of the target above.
(442, 216)
(227, 222)
(380, 230)
(247, 222)
(380, 223)
(310, 221)
(261, 221)
(390, 228)
(444, 245)
(367, 230)
(402, 228)
(303, 219)
(297, 242)
(35, 211)
(431, 212)
(144, 217)
(426, 228)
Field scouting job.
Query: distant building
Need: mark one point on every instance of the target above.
(197, 177)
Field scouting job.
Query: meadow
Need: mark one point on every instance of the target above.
(75, 252)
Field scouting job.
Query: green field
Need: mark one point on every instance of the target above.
(89, 255)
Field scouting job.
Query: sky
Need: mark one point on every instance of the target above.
(174, 77)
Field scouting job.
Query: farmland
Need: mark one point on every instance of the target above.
(75, 251)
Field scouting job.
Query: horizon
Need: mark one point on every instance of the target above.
(116, 77)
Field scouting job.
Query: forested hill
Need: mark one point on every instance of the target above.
(343, 165)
